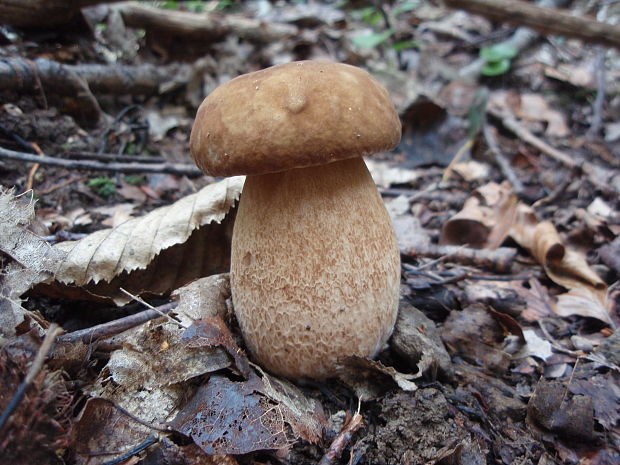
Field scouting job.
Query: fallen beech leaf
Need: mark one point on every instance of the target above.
(303, 414)
(146, 377)
(213, 332)
(155, 253)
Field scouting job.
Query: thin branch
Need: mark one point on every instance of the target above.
(342, 440)
(500, 158)
(110, 157)
(180, 169)
(35, 368)
(546, 20)
(500, 259)
(115, 327)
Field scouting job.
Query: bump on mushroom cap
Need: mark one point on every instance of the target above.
(294, 115)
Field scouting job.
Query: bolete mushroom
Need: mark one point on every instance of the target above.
(315, 267)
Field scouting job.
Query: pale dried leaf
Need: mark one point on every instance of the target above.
(31, 261)
(203, 298)
(535, 346)
(304, 414)
(155, 253)
(471, 170)
(535, 108)
(584, 301)
(385, 174)
(146, 376)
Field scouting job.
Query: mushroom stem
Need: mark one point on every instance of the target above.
(315, 268)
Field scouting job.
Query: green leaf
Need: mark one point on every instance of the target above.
(370, 15)
(405, 7)
(406, 44)
(170, 5)
(135, 179)
(372, 40)
(498, 52)
(103, 186)
(495, 68)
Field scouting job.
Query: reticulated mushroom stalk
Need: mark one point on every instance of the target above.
(315, 268)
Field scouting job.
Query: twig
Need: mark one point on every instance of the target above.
(601, 90)
(34, 168)
(180, 169)
(60, 185)
(344, 437)
(499, 259)
(511, 123)
(146, 304)
(110, 157)
(546, 20)
(457, 158)
(522, 38)
(503, 164)
(35, 368)
(206, 27)
(115, 327)
(148, 442)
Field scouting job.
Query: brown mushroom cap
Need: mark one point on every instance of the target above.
(295, 115)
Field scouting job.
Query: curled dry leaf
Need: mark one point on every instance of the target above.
(485, 220)
(370, 379)
(492, 213)
(155, 253)
(587, 294)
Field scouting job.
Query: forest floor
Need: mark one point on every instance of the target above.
(504, 193)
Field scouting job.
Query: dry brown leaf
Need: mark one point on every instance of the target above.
(587, 294)
(584, 301)
(155, 253)
(485, 220)
(534, 107)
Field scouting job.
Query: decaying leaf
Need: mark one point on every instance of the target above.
(555, 410)
(417, 342)
(227, 417)
(155, 253)
(102, 432)
(146, 377)
(371, 379)
(213, 332)
(30, 259)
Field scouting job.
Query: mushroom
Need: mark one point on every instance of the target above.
(315, 267)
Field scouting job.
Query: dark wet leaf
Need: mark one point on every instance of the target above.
(226, 417)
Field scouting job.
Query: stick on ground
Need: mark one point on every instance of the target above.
(35, 368)
(169, 168)
(547, 20)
